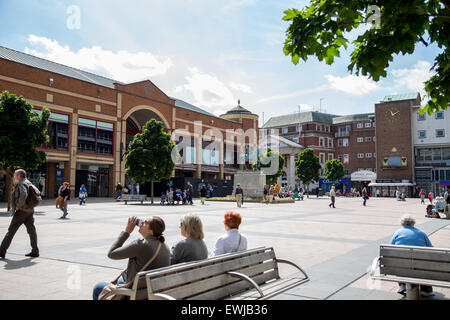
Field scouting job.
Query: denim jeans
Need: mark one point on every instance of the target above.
(99, 287)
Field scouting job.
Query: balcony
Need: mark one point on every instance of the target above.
(342, 134)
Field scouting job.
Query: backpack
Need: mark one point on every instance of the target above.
(34, 196)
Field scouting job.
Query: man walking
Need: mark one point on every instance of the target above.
(22, 214)
(190, 192)
(333, 197)
(65, 193)
(239, 193)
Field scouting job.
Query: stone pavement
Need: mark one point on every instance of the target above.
(334, 246)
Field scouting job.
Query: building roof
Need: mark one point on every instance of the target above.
(47, 65)
(50, 66)
(353, 118)
(185, 105)
(238, 109)
(296, 118)
(401, 97)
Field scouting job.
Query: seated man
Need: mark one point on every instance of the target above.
(410, 236)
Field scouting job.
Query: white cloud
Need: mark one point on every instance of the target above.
(122, 65)
(241, 87)
(413, 79)
(351, 84)
(208, 91)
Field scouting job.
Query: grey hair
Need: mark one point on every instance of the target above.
(21, 173)
(407, 220)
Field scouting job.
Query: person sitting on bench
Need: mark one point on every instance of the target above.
(192, 248)
(139, 251)
(410, 236)
(233, 240)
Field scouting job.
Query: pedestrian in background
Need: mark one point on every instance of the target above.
(239, 194)
(365, 196)
(430, 197)
(203, 194)
(119, 190)
(65, 194)
(422, 196)
(82, 194)
(333, 197)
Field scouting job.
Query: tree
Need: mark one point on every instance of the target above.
(21, 132)
(271, 164)
(321, 28)
(149, 154)
(334, 170)
(307, 168)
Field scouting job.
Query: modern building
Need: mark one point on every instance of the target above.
(431, 140)
(94, 118)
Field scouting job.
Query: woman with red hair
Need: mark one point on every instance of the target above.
(233, 240)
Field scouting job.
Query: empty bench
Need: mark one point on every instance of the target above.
(247, 275)
(133, 197)
(414, 266)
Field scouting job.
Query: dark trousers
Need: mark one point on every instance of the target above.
(18, 219)
(333, 199)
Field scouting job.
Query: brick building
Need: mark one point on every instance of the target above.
(93, 119)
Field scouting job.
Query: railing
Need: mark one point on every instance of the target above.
(342, 134)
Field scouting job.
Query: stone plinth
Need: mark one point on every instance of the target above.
(251, 182)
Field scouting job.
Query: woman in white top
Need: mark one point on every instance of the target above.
(233, 240)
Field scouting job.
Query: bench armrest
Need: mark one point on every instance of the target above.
(294, 265)
(160, 296)
(122, 292)
(375, 265)
(248, 279)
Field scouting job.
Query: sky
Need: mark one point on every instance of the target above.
(209, 53)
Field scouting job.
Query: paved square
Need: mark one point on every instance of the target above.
(334, 246)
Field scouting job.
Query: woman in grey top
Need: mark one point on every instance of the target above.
(192, 248)
(138, 252)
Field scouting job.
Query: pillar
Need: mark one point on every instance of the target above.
(124, 141)
(291, 170)
(199, 156)
(221, 161)
(51, 179)
(70, 167)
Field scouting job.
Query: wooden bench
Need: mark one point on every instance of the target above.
(133, 197)
(247, 275)
(414, 266)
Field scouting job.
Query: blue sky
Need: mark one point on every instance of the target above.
(208, 53)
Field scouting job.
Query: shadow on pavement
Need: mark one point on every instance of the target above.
(18, 264)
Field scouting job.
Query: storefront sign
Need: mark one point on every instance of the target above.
(364, 175)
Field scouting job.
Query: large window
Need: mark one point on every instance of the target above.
(95, 136)
(57, 130)
(440, 115)
(440, 133)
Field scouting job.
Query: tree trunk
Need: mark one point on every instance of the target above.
(152, 192)
(307, 191)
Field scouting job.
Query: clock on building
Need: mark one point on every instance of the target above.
(392, 114)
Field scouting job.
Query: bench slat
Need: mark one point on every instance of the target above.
(416, 264)
(270, 288)
(416, 253)
(432, 275)
(195, 288)
(234, 288)
(167, 281)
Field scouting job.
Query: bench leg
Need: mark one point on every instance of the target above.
(412, 291)
(125, 202)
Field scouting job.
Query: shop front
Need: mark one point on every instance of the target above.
(361, 179)
(343, 185)
(95, 177)
(388, 189)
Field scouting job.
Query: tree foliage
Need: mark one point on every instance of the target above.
(307, 167)
(21, 132)
(322, 29)
(149, 154)
(334, 170)
(271, 164)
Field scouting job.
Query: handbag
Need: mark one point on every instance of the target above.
(239, 244)
(106, 291)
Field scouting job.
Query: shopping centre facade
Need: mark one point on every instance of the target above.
(94, 118)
